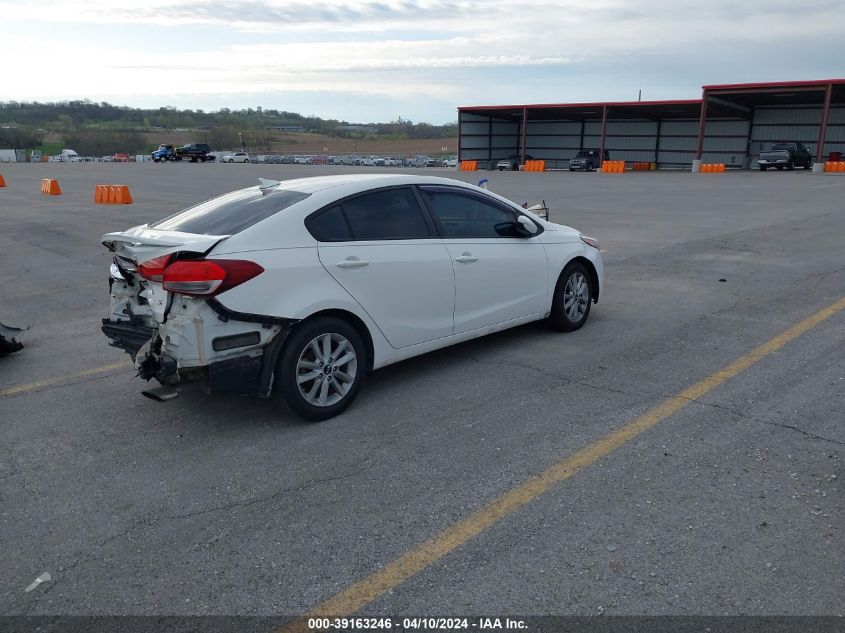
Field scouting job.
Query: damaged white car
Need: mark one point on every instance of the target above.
(297, 289)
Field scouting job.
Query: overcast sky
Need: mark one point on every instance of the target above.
(377, 61)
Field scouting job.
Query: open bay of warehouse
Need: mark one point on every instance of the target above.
(730, 503)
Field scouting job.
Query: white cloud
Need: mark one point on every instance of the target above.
(400, 48)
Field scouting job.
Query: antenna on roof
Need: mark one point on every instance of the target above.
(640, 95)
(264, 184)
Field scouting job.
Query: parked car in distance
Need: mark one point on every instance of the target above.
(512, 162)
(367, 161)
(588, 160)
(66, 156)
(789, 155)
(296, 289)
(392, 162)
(450, 162)
(194, 152)
(237, 157)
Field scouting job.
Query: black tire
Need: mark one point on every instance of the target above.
(246, 160)
(763, 167)
(779, 167)
(560, 318)
(790, 166)
(297, 347)
(571, 169)
(808, 164)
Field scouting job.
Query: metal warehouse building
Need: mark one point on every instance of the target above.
(729, 124)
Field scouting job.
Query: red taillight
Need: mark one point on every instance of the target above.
(208, 277)
(153, 270)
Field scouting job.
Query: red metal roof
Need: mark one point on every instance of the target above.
(596, 104)
(774, 84)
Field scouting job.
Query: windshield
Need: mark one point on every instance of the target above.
(584, 153)
(230, 213)
(786, 146)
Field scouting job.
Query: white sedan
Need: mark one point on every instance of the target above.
(237, 157)
(297, 289)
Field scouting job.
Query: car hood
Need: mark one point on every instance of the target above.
(558, 233)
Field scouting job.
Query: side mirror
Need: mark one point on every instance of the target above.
(527, 226)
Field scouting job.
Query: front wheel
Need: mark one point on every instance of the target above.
(572, 299)
(763, 167)
(246, 160)
(322, 368)
(790, 167)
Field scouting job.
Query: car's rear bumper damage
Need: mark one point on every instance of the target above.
(203, 341)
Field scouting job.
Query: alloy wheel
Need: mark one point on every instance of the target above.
(326, 369)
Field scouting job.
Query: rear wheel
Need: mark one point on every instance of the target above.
(246, 160)
(763, 167)
(572, 299)
(321, 368)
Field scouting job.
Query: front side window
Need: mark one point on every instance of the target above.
(390, 214)
(469, 215)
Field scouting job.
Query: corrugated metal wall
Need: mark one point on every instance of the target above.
(797, 123)
(486, 139)
(670, 142)
(726, 141)
(553, 140)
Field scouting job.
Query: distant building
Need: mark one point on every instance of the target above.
(290, 129)
(364, 129)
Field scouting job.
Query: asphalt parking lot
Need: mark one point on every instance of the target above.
(729, 504)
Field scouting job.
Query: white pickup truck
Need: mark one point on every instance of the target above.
(67, 156)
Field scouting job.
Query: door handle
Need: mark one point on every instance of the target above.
(466, 258)
(351, 262)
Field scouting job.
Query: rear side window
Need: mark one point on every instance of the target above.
(390, 214)
(230, 213)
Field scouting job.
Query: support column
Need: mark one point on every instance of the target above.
(823, 126)
(748, 138)
(603, 133)
(522, 140)
(657, 143)
(490, 142)
(459, 137)
(581, 142)
(696, 164)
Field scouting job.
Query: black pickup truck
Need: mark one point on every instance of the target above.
(789, 155)
(195, 152)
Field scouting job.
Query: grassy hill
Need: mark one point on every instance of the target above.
(102, 128)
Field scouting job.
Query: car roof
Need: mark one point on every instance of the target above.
(362, 182)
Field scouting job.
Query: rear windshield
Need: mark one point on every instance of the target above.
(230, 213)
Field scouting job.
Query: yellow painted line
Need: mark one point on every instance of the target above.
(416, 560)
(49, 382)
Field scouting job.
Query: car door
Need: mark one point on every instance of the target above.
(499, 276)
(383, 249)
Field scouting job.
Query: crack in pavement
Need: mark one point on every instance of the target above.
(150, 521)
(769, 422)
